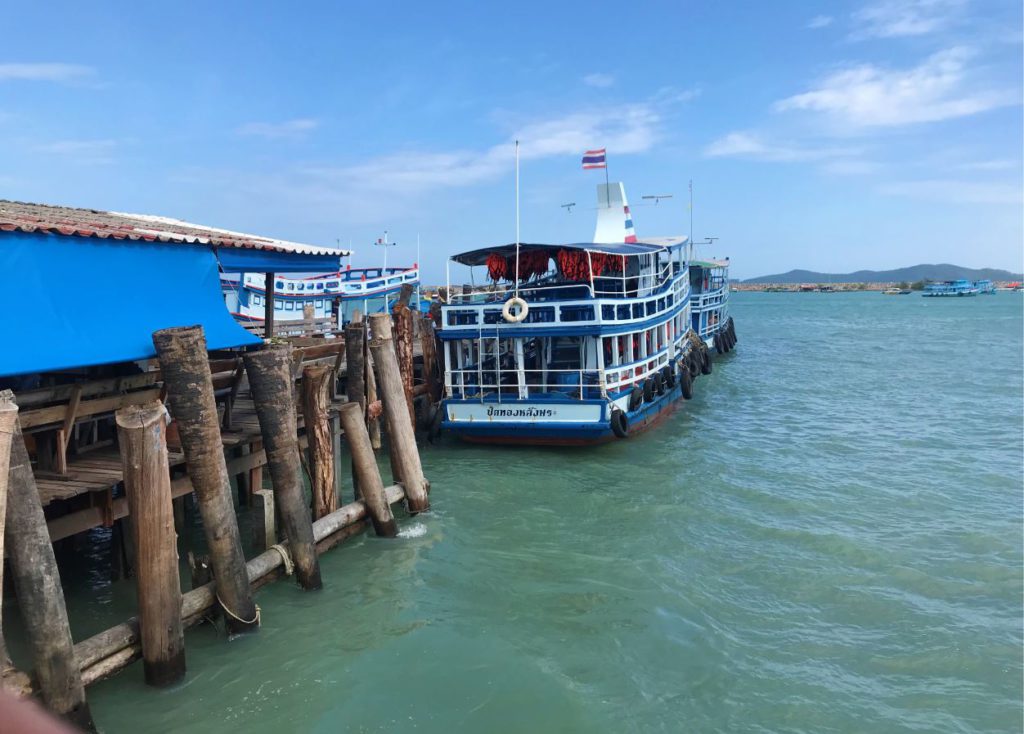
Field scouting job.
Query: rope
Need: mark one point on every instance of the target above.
(255, 620)
(289, 567)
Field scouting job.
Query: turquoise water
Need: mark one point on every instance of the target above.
(826, 539)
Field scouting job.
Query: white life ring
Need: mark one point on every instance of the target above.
(520, 314)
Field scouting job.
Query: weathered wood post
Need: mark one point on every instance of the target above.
(355, 375)
(428, 344)
(402, 436)
(40, 597)
(185, 367)
(147, 481)
(270, 380)
(366, 468)
(316, 387)
(372, 422)
(403, 344)
(11, 680)
(268, 304)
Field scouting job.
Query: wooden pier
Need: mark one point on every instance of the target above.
(89, 470)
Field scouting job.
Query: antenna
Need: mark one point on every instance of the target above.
(568, 207)
(656, 197)
(517, 219)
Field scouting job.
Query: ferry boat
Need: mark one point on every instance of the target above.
(950, 288)
(709, 299)
(571, 343)
(339, 294)
(985, 287)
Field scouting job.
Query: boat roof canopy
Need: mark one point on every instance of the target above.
(479, 257)
(710, 263)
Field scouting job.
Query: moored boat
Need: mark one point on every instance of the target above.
(950, 289)
(571, 343)
(709, 300)
(330, 295)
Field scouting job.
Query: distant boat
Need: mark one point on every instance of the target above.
(896, 291)
(985, 287)
(950, 288)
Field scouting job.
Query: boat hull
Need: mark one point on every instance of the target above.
(542, 432)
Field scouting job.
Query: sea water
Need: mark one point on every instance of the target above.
(827, 538)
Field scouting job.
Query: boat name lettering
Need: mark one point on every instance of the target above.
(531, 412)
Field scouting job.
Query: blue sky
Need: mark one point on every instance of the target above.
(831, 136)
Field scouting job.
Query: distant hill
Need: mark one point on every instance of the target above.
(916, 272)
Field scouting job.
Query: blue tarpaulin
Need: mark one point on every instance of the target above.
(247, 260)
(78, 301)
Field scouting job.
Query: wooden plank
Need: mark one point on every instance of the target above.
(56, 413)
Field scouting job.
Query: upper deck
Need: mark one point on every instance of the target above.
(571, 289)
(349, 283)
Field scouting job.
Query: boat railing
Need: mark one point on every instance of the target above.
(575, 312)
(549, 288)
(332, 284)
(480, 381)
(708, 299)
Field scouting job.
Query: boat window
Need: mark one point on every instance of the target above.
(278, 306)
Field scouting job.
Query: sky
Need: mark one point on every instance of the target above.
(828, 136)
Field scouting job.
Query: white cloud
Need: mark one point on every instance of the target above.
(76, 147)
(957, 192)
(79, 151)
(49, 72)
(599, 80)
(750, 145)
(997, 164)
(871, 96)
(850, 167)
(275, 130)
(623, 130)
(820, 21)
(895, 18)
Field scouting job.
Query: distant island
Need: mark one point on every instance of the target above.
(913, 274)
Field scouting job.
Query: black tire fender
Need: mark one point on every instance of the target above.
(636, 398)
(686, 383)
(648, 390)
(620, 423)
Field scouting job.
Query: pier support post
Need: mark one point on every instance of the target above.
(367, 471)
(270, 380)
(269, 281)
(372, 396)
(40, 597)
(316, 386)
(403, 345)
(147, 481)
(186, 372)
(402, 436)
(11, 680)
(428, 344)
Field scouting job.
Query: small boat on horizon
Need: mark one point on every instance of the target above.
(896, 291)
(959, 288)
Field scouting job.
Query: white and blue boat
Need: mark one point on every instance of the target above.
(985, 287)
(331, 295)
(709, 288)
(570, 343)
(950, 289)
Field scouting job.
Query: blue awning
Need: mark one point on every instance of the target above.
(251, 260)
(77, 301)
(479, 257)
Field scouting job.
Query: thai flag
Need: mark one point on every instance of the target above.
(594, 159)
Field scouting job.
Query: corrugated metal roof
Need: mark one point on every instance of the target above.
(21, 217)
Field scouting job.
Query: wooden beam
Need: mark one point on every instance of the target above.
(58, 413)
(268, 305)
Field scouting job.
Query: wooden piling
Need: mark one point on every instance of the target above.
(428, 344)
(403, 332)
(316, 389)
(269, 281)
(367, 471)
(40, 596)
(11, 680)
(401, 432)
(186, 372)
(355, 345)
(147, 481)
(270, 380)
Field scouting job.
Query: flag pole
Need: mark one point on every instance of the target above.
(607, 186)
(517, 219)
